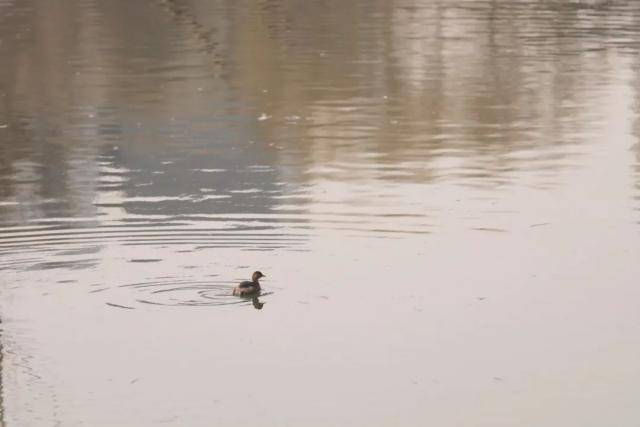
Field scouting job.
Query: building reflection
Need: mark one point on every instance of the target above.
(140, 131)
(420, 92)
(447, 85)
(636, 130)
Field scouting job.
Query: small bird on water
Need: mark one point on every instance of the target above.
(249, 287)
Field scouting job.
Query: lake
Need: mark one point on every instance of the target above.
(443, 195)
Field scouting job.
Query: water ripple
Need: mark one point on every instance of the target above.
(181, 291)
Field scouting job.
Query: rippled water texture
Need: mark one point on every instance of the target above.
(444, 196)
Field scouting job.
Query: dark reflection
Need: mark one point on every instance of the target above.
(181, 113)
(256, 303)
(214, 169)
(185, 17)
(486, 84)
(172, 111)
(635, 84)
(176, 113)
(151, 134)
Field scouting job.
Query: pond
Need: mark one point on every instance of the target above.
(444, 197)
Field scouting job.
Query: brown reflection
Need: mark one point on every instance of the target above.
(256, 303)
(483, 87)
(420, 92)
(635, 84)
(183, 16)
(65, 156)
(44, 173)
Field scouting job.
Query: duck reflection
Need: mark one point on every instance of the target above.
(256, 303)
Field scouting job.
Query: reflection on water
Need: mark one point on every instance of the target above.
(183, 291)
(447, 193)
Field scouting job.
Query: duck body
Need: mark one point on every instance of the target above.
(249, 287)
(246, 288)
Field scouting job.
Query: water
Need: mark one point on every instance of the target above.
(445, 197)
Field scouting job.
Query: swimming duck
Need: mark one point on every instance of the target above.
(249, 287)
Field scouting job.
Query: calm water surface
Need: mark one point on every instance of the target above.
(444, 195)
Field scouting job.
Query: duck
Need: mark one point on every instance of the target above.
(249, 287)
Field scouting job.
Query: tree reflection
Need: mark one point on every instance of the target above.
(416, 83)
